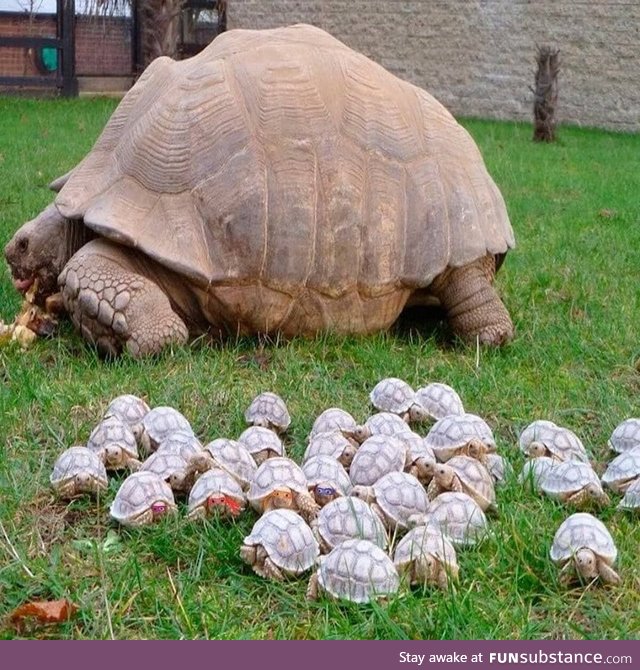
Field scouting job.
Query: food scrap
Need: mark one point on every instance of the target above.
(32, 321)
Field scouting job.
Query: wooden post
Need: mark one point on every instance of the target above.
(545, 95)
(66, 32)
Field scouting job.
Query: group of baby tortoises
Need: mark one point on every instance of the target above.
(359, 490)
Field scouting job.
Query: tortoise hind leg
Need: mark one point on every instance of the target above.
(473, 306)
(116, 307)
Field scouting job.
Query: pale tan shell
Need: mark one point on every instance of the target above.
(287, 540)
(139, 492)
(626, 436)
(128, 408)
(333, 419)
(359, 571)
(376, 457)
(269, 411)
(582, 530)
(350, 518)
(219, 153)
(78, 469)
(439, 400)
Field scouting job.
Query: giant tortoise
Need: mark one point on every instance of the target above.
(278, 181)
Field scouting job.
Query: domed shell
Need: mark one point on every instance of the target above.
(499, 468)
(287, 540)
(631, 498)
(359, 571)
(560, 442)
(327, 470)
(532, 432)
(276, 473)
(182, 442)
(164, 464)
(392, 395)
(626, 436)
(263, 441)
(129, 409)
(400, 496)
(474, 477)
(111, 435)
(350, 518)
(372, 162)
(269, 411)
(333, 444)
(214, 482)
(582, 530)
(439, 400)
(449, 435)
(78, 470)
(535, 470)
(377, 456)
(568, 477)
(382, 423)
(459, 518)
(159, 423)
(234, 458)
(421, 541)
(333, 419)
(622, 470)
(142, 496)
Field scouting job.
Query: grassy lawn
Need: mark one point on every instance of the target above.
(572, 289)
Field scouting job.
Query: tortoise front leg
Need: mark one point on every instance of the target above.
(473, 306)
(114, 306)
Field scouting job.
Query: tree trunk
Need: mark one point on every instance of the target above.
(160, 25)
(545, 95)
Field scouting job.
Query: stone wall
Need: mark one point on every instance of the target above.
(478, 56)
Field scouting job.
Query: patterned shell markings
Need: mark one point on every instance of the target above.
(267, 127)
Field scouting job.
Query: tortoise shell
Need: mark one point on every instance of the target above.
(377, 456)
(622, 470)
(217, 483)
(78, 470)
(142, 498)
(269, 411)
(349, 518)
(449, 435)
(128, 408)
(263, 128)
(626, 436)
(582, 530)
(357, 570)
(114, 442)
(287, 540)
(459, 518)
(439, 400)
(275, 473)
(400, 495)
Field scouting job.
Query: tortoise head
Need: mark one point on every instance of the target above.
(282, 498)
(324, 493)
(219, 503)
(39, 251)
(586, 563)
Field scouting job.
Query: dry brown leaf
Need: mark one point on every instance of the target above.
(42, 612)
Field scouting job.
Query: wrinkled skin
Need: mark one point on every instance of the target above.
(39, 250)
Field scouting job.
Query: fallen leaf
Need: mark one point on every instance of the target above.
(42, 612)
(607, 213)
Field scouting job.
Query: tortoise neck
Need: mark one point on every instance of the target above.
(77, 236)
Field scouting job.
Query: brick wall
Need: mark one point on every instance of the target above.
(103, 45)
(478, 56)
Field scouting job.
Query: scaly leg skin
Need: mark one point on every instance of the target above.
(473, 306)
(115, 307)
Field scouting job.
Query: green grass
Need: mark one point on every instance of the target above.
(571, 287)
